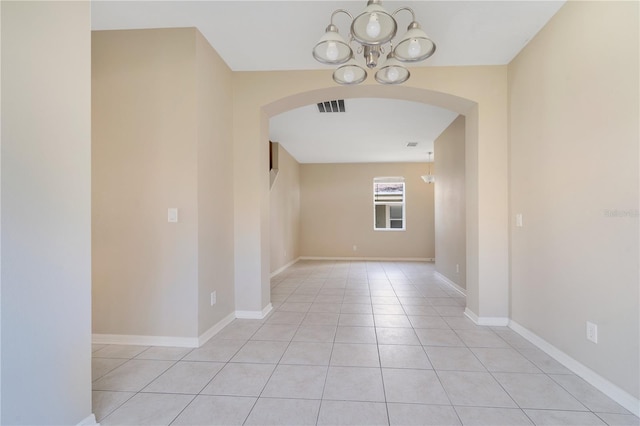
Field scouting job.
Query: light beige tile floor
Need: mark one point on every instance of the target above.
(349, 343)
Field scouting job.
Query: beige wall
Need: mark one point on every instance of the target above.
(337, 212)
(284, 204)
(574, 157)
(46, 217)
(449, 193)
(161, 139)
(215, 185)
(479, 93)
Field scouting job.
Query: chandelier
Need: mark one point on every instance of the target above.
(429, 178)
(373, 30)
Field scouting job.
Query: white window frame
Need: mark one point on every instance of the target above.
(388, 204)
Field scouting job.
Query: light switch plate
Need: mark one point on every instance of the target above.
(172, 215)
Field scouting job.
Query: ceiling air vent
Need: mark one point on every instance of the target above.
(331, 106)
(412, 144)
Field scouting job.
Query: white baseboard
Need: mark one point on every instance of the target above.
(452, 284)
(370, 259)
(254, 314)
(89, 421)
(491, 321)
(181, 342)
(215, 329)
(619, 395)
(277, 271)
(128, 339)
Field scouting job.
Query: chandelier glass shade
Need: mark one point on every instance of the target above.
(372, 33)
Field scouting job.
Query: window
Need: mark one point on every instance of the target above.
(388, 204)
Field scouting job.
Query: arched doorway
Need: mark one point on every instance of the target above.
(266, 95)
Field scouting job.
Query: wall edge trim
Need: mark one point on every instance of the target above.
(129, 339)
(216, 328)
(614, 392)
(364, 258)
(452, 284)
(255, 314)
(489, 321)
(281, 269)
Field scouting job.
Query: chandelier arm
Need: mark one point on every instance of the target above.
(413, 14)
(335, 12)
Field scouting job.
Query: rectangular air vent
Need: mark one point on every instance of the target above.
(412, 144)
(331, 106)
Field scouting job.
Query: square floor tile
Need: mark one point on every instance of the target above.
(315, 333)
(588, 395)
(239, 379)
(474, 389)
(334, 413)
(277, 332)
(289, 318)
(403, 356)
(537, 391)
(355, 335)
(481, 338)
(104, 402)
(132, 376)
(215, 350)
(216, 410)
(276, 412)
(148, 409)
(482, 416)
(101, 366)
(450, 358)
(327, 308)
(397, 336)
(421, 415)
(239, 330)
(354, 384)
(362, 299)
(329, 299)
(356, 308)
(294, 307)
(543, 361)
(119, 351)
(321, 318)
(413, 386)
(387, 321)
(355, 355)
(438, 337)
(388, 310)
(428, 322)
(554, 418)
(358, 320)
(384, 300)
(308, 353)
(301, 298)
(421, 310)
(296, 381)
(257, 351)
(504, 360)
(164, 353)
(447, 311)
(461, 323)
(185, 377)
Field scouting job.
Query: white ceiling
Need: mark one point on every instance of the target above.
(370, 130)
(279, 35)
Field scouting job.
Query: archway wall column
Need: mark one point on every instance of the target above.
(479, 93)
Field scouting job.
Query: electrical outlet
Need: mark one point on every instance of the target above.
(355, 247)
(457, 268)
(592, 332)
(519, 220)
(213, 298)
(285, 253)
